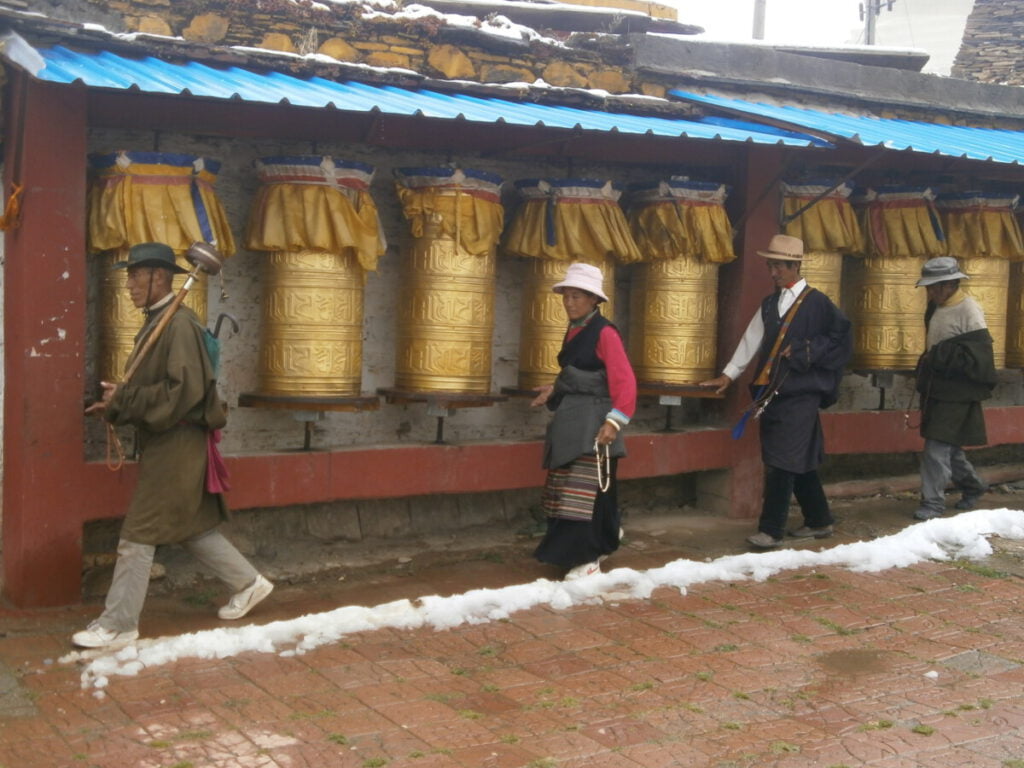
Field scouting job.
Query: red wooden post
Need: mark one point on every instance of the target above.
(44, 492)
(744, 283)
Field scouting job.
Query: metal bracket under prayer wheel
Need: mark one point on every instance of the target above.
(309, 409)
(441, 404)
(671, 395)
(882, 380)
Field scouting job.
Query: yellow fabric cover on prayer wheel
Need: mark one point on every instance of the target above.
(828, 228)
(903, 231)
(559, 222)
(684, 233)
(830, 224)
(142, 197)
(317, 219)
(446, 310)
(983, 233)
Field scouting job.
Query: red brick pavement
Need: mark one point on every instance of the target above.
(918, 667)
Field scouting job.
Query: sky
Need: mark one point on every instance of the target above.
(963, 536)
(935, 26)
(814, 22)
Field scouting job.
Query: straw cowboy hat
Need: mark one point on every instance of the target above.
(150, 255)
(784, 248)
(585, 277)
(939, 270)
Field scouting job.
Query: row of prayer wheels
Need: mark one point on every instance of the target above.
(316, 220)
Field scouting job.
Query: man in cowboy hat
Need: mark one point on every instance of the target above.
(956, 372)
(801, 341)
(172, 402)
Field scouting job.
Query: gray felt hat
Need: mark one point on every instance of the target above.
(939, 270)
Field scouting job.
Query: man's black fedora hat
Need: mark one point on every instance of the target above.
(150, 255)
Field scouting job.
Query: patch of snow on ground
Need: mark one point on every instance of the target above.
(962, 536)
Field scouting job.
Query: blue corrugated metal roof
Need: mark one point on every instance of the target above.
(1000, 146)
(150, 75)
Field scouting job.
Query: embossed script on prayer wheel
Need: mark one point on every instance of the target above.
(675, 318)
(120, 320)
(824, 270)
(446, 317)
(314, 217)
(446, 312)
(543, 320)
(887, 312)
(312, 324)
(989, 286)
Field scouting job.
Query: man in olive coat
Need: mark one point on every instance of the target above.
(954, 375)
(172, 402)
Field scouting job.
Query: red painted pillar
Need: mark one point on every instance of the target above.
(744, 283)
(44, 489)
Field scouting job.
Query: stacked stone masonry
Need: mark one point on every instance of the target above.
(990, 52)
(416, 44)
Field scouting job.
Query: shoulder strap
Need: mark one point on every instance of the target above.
(764, 376)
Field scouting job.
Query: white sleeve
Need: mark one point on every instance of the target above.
(747, 347)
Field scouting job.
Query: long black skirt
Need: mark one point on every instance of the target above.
(570, 541)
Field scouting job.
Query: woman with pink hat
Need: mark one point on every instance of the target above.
(593, 398)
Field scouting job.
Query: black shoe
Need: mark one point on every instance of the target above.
(970, 500)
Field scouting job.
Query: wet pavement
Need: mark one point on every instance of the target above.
(917, 666)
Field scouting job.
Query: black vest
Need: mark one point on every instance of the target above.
(581, 351)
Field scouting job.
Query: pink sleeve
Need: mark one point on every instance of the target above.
(621, 380)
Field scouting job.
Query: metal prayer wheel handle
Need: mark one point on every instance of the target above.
(205, 258)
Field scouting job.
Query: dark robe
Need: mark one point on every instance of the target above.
(172, 401)
(953, 377)
(807, 380)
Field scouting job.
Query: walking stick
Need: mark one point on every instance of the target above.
(204, 258)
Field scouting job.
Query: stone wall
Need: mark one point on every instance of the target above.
(992, 47)
(425, 45)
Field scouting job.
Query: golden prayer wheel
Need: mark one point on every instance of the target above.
(139, 197)
(983, 233)
(674, 328)
(543, 323)
(557, 223)
(989, 285)
(684, 233)
(1015, 318)
(819, 213)
(887, 311)
(903, 231)
(315, 216)
(312, 343)
(446, 311)
(824, 270)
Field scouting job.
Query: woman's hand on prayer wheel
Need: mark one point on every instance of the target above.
(719, 384)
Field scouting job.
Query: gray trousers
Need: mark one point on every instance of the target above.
(134, 561)
(940, 463)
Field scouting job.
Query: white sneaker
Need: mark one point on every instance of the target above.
(587, 569)
(95, 636)
(243, 602)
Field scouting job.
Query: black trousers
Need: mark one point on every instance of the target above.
(779, 487)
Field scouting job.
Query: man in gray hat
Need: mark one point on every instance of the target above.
(954, 375)
(172, 402)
